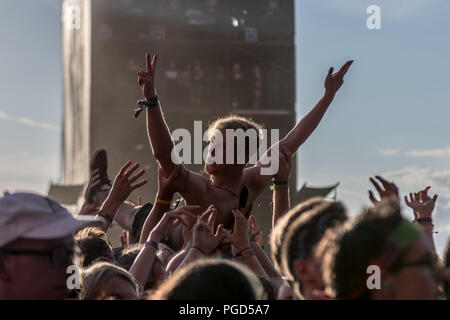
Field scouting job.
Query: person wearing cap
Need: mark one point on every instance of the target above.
(36, 246)
(37, 243)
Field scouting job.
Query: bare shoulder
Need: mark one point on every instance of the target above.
(250, 175)
(195, 182)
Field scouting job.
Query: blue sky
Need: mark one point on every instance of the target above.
(390, 117)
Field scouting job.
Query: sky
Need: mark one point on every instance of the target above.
(390, 118)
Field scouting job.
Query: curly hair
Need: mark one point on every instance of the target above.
(93, 244)
(304, 233)
(278, 233)
(235, 122)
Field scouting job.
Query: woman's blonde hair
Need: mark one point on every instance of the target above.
(96, 275)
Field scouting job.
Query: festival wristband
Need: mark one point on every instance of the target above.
(278, 186)
(161, 201)
(424, 220)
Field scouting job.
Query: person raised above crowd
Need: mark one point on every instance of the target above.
(231, 185)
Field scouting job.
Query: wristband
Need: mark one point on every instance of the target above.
(203, 252)
(105, 216)
(152, 243)
(161, 201)
(278, 186)
(144, 103)
(241, 253)
(424, 220)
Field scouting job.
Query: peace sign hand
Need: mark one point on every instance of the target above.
(146, 79)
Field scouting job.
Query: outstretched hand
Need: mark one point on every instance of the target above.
(255, 232)
(146, 79)
(240, 238)
(390, 190)
(123, 183)
(335, 80)
(168, 186)
(184, 215)
(204, 236)
(421, 203)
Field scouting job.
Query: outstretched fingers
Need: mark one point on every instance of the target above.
(155, 57)
(124, 168)
(212, 219)
(330, 72)
(128, 173)
(345, 68)
(137, 176)
(138, 185)
(148, 62)
(220, 232)
(375, 184)
(372, 198)
(435, 197)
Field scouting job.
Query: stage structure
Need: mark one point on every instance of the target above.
(215, 57)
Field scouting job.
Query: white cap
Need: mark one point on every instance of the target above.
(31, 216)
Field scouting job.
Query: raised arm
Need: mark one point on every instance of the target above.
(305, 127)
(125, 182)
(157, 129)
(423, 206)
(299, 134)
(143, 263)
(240, 239)
(280, 199)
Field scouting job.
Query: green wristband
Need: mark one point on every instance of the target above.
(279, 186)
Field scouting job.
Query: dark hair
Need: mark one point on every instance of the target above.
(304, 233)
(270, 289)
(211, 279)
(128, 255)
(139, 220)
(279, 231)
(93, 244)
(353, 248)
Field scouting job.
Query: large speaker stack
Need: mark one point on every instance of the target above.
(215, 57)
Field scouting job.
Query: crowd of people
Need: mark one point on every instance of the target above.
(208, 244)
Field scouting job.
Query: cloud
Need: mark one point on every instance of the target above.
(388, 152)
(28, 122)
(432, 153)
